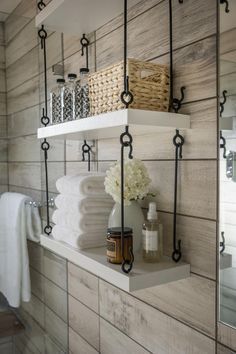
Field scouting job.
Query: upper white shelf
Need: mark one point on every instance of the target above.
(110, 125)
(143, 275)
(79, 16)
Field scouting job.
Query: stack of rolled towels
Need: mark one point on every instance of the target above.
(83, 209)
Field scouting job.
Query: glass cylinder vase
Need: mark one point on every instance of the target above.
(133, 217)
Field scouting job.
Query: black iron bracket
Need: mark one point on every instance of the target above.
(86, 150)
(222, 243)
(175, 103)
(223, 144)
(222, 104)
(41, 5)
(126, 95)
(85, 44)
(45, 146)
(126, 141)
(226, 3)
(178, 142)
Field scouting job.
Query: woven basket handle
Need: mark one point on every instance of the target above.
(146, 71)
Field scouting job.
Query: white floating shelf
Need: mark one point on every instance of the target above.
(110, 125)
(79, 16)
(143, 275)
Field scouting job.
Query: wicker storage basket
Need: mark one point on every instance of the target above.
(148, 82)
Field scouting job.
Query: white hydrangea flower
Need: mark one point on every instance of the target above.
(136, 181)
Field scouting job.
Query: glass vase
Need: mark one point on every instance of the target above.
(134, 218)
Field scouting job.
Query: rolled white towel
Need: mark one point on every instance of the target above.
(83, 184)
(86, 205)
(79, 240)
(79, 222)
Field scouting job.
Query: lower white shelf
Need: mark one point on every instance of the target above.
(143, 275)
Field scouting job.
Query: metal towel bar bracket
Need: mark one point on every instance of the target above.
(35, 204)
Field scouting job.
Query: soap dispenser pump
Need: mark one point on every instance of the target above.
(152, 236)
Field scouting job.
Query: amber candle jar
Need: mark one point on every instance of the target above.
(114, 251)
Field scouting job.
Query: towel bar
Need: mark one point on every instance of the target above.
(35, 204)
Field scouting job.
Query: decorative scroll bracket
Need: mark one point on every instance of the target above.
(222, 104)
(41, 5)
(226, 2)
(85, 44)
(178, 142)
(222, 243)
(223, 144)
(177, 103)
(126, 141)
(87, 150)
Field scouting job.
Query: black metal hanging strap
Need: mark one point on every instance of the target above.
(226, 3)
(178, 142)
(223, 144)
(45, 146)
(86, 150)
(222, 103)
(85, 44)
(126, 141)
(175, 103)
(43, 35)
(126, 96)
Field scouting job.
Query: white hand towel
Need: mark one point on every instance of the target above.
(79, 240)
(14, 261)
(85, 184)
(33, 223)
(85, 205)
(79, 222)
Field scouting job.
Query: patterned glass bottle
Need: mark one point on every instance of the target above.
(69, 98)
(57, 102)
(84, 93)
(77, 99)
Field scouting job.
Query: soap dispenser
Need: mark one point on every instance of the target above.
(152, 236)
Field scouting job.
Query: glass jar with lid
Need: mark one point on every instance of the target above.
(57, 102)
(70, 97)
(114, 245)
(84, 93)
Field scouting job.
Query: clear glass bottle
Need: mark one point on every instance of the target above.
(152, 236)
(84, 93)
(69, 98)
(57, 102)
